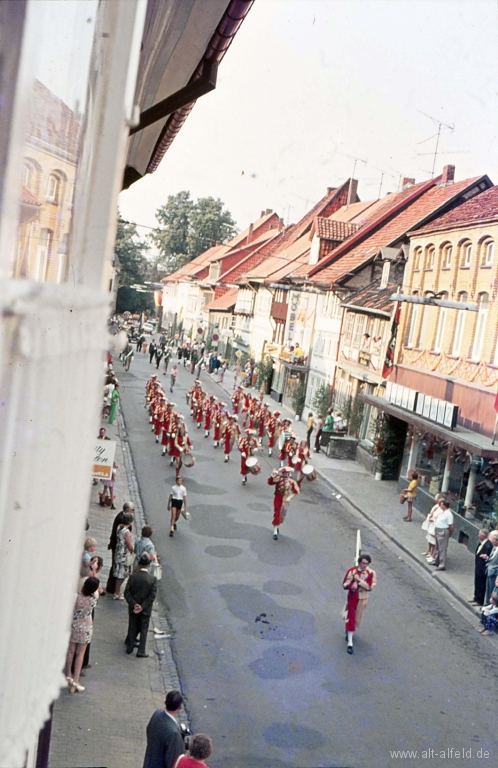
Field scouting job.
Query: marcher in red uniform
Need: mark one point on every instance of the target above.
(301, 458)
(168, 427)
(199, 409)
(272, 427)
(358, 581)
(236, 400)
(183, 445)
(246, 447)
(218, 423)
(262, 419)
(158, 413)
(208, 412)
(230, 433)
(285, 490)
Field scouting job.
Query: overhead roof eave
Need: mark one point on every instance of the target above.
(181, 39)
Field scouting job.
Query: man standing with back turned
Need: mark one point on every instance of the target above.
(164, 738)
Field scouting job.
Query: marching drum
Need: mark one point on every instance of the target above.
(188, 460)
(309, 472)
(253, 466)
(296, 459)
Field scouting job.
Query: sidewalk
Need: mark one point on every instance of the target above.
(122, 691)
(377, 501)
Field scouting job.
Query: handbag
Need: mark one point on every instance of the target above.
(402, 497)
(130, 559)
(425, 525)
(156, 570)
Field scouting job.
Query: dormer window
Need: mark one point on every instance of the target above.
(214, 270)
(386, 267)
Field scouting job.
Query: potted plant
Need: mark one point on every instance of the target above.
(298, 399)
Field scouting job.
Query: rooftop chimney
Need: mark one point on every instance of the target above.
(330, 190)
(262, 214)
(280, 225)
(407, 182)
(353, 186)
(268, 211)
(249, 234)
(448, 174)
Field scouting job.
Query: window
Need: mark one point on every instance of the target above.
(441, 322)
(349, 329)
(385, 274)
(412, 330)
(27, 176)
(447, 256)
(430, 257)
(459, 326)
(359, 330)
(417, 257)
(488, 253)
(466, 255)
(53, 189)
(480, 326)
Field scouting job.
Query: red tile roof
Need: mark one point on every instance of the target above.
(224, 302)
(28, 197)
(400, 213)
(329, 229)
(483, 207)
(253, 259)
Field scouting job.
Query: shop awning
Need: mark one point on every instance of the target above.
(477, 445)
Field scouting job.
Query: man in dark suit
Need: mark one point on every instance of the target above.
(129, 507)
(491, 566)
(483, 550)
(140, 594)
(164, 739)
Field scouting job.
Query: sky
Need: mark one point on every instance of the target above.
(307, 86)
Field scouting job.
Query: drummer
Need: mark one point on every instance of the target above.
(285, 490)
(246, 447)
(300, 458)
(230, 433)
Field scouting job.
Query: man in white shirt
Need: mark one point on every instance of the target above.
(177, 500)
(444, 531)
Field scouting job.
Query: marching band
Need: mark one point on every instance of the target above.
(170, 430)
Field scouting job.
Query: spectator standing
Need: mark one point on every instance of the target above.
(483, 550)
(444, 530)
(166, 359)
(128, 507)
(319, 430)
(140, 594)
(491, 565)
(152, 350)
(144, 546)
(114, 403)
(310, 425)
(124, 547)
(159, 356)
(81, 631)
(411, 495)
(164, 738)
(200, 748)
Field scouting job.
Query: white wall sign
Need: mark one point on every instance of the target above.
(103, 458)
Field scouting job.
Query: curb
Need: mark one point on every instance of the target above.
(162, 645)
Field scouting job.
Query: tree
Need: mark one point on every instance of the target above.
(187, 229)
(131, 250)
(321, 400)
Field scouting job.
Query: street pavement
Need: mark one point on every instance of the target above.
(257, 641)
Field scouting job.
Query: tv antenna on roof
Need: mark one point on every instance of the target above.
(440, 125)
(356, 160)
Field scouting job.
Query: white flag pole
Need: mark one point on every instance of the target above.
(358, 547)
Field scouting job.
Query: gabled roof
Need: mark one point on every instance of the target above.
(400, 213)
(293, 249)
(197, 268)
(264, 249)
(224, 302)
(481, 208)
(329, 229)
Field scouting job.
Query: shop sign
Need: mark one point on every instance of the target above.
(103, 458)
(431, 408)
(364, 358)
(294, 306)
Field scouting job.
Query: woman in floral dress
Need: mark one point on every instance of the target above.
(81, 631)
(124, 546)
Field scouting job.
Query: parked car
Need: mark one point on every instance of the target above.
(148, 328)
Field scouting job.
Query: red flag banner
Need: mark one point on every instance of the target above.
(389, 361)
